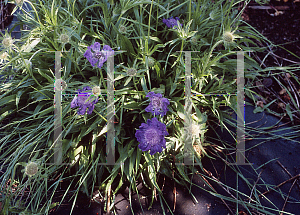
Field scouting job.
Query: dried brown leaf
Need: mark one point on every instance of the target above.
(281, 105)
(260, 103)
(282, 91)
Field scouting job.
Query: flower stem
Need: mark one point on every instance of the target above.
(190, 10)
(149, 23)
(182, 42)
(135, 83)
(208, 57)
(102, 79)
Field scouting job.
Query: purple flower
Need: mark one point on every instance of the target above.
(158, 104)
(97, 56)
(81, 101)
(171, 22)
(152, 136)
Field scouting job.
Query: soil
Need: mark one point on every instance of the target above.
(282, 29)
(5, 17)
(279, 24)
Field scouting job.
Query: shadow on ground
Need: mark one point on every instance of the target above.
(266, 147)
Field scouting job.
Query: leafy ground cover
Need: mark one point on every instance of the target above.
(149, 92)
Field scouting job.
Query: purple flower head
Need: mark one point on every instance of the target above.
(83, 101)
(98, 56)
(158, 104)
(152, 136)
(171, 22)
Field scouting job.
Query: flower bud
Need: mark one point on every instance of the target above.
(228, 37)
(131, 72)
(151, 62)
(4, 56)
(213, 14)
(194, 129)
(31, 169)
(64, 38)
(122, 29)
(18, 2)
(60, 87)
(96, 90)
(194, 40)
(7, 42)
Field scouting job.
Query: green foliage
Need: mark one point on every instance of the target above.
(146, 44)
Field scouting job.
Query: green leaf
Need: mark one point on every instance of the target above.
(160, 90)
(38, 108)
(138, 158)
(19, 93)
(78, 150)
(289, 112)
(258, 109)
(173, 87)
(180, 111)
(125, 42)
(155, 48)
(48, 110)
(180, 168)
(43, 74)
(30, 46)
(131, 105)
(8, 99)
(5, 114)
(90, 128)
(214, 103)
(104, 130)
(132, 162)
(155, 39)
(127, 80)
(143, 83)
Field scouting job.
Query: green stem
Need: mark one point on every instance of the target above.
(146, 42)
(102, 79)
(149, 23)
(182, 42)
(135, 84)
(27, 67)
(190, 10)
(36, 13)
(208, 57)
(156, 19)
